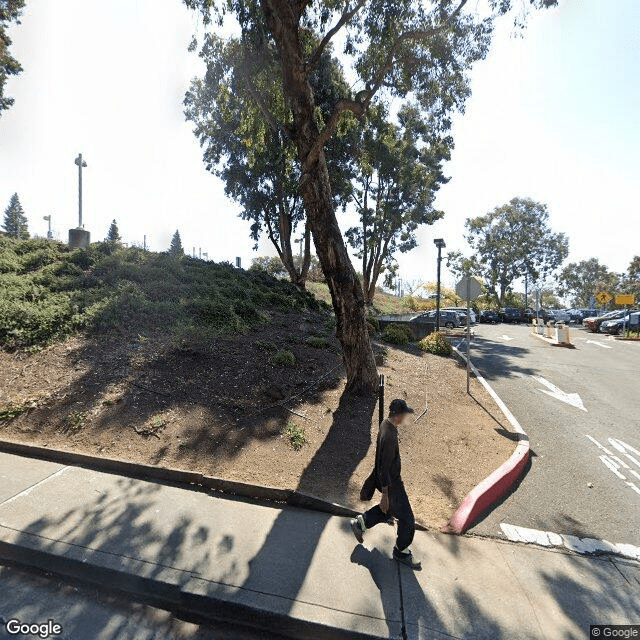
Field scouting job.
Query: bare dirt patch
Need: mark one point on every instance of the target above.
(223, 412)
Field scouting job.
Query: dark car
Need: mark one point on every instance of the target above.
(510, 314)
(593, 323)
(631, 321)
(488, 316)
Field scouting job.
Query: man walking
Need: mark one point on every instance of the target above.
(386, 478)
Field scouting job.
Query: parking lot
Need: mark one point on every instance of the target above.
(581, 409)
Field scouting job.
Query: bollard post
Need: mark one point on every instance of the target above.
(381, 399)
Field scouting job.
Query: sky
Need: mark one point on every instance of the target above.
(554, 115)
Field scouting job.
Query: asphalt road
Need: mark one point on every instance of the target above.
(584, 476)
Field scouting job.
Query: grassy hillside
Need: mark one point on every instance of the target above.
(48, 291)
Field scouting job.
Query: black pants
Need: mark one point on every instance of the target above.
(400, 508)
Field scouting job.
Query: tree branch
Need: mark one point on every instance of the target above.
(260, 101)
(344, 18)
(359, 107)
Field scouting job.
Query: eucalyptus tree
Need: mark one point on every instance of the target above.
(393, 48)
(399, 174)
(256, 163)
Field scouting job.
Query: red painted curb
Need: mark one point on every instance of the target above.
(494, 486)
(489, 491)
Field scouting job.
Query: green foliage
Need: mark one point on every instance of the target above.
(265, 345)
(113, 235)
(50, 291)
(271, 265)
(75, 420)
(509, 241)
(375, 323)
(399, 172)
(175, 248)
(10, 12)
(283, 358)
(437, 344)
(396, 334)
(296, 435)
(581, 280)
(12, 411)
(317, 342)
(15, 222)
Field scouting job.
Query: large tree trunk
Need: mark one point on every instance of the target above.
(345, 288)
(346, 292)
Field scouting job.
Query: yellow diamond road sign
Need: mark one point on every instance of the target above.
(603, 297)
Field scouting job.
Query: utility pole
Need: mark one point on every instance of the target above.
(439, 242)
(144, 242)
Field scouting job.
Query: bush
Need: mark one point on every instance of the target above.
(317, 342)
(283, 358)
(437, 344)
(296, 435)
(396, 334)
(374, 322)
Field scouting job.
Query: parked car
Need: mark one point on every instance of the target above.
(448, 319)
(560, 315)
(488, 316)
(510, 314)
(578, 315)
(593, 323)
(463, 312)
(630, 321)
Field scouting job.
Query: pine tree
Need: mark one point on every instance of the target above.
(15, 222)
(113, 234)
(175, 248)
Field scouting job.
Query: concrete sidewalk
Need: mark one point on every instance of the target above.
(298, 572)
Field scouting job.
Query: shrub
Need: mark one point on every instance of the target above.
(296, 435)
(374, 322)
(265, 345)
(437, 344)
(396, 334)
(317, 342)
(283, 358)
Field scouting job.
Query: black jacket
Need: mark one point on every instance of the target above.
(387, 467)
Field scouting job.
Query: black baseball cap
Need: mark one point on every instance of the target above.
(398, 406)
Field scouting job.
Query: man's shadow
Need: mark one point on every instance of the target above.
(408, 594)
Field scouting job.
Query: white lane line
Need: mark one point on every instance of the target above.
(569, 398)
(612, 466)
(633, 486)
(574, 543)
(505, 337)
(604, 346)
(28, 490)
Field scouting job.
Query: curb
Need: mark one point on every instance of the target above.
(170, 596)
(185, 479)
(551, 342)
(492, 488)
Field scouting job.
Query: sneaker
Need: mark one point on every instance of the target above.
(406, 557)
(357, 526)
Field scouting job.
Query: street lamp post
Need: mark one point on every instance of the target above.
(439, 242)
(48, 219)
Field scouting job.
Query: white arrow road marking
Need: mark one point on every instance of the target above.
(604, 346)
(613, 462)
(579, 545)
(570, 398)
(505, 337)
